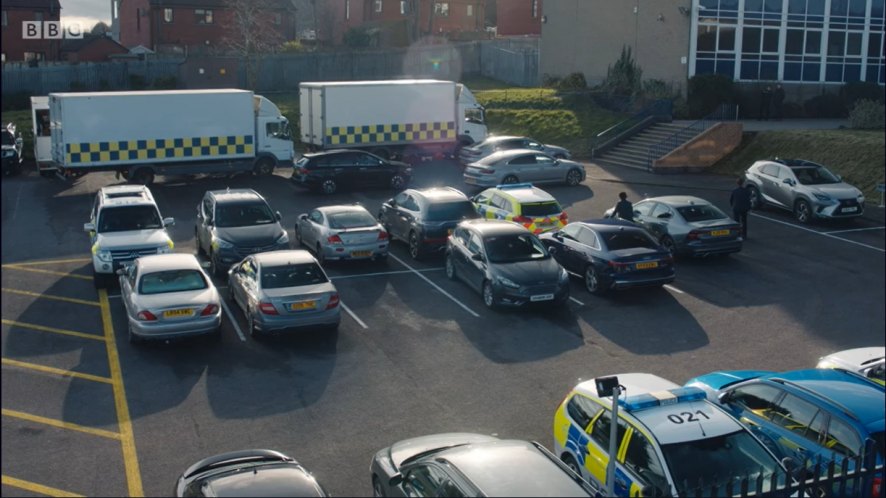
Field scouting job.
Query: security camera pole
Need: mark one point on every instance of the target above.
(608, 386)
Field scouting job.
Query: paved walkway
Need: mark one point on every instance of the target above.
(787, 124)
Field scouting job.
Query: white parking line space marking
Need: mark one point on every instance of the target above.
(382, 273)
(825, 234)
(671, 287)
(856, 230)
(426, 279)
(574, 300)
(353, 315)
(231, 319)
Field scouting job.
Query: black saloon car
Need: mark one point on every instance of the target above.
(610, 255)
(332, 170)
(425, 218)
(12, 151)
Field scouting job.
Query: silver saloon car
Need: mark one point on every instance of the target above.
(342, 232)
(280, 290)
(496, 143)
(169, 296)
(522, 165)
(807, 189)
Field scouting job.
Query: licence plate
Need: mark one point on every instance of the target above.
(178, 313)
(361, 254)
(850, 209)
(647, 265)
(719, 233)
(304, 305)
(542, 297)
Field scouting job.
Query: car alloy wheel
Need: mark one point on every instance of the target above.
(414, 246)
(668, 243)
(573, 178)
(754, 194)
(398, 182)
(802, 211)
(488, 295)
(321, 258)
(450, 267)
(263, 167)
(510, 180)
(377, 489)
(328, 186)
(592, 280)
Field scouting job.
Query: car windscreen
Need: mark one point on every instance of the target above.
(351, 219)
(161, 282)
(713, 461)
(533, 209)
(446, 211)
(628, 239)
(700, 212)
(514, 247)
(814, 175)
(277, 277)
(243, 214)
(125, 218)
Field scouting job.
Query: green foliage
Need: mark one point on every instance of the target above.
(165, 83)
(868, 115)
(826, 105)
(860, 90)
(573, 81)
(520, 98)
(658, 89)
(137, 82)
(625, 76)
(292, 47)
(356, 38)
(707, 91)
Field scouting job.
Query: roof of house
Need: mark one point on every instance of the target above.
(77, 44)
(32, 4)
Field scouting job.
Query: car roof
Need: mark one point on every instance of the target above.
(678, 200)
(861, 397)
(524, 192)
(500, 138)
(271, 479)
(287, 257)
(857, 357)
(172, 261)
(511, 468)
(656, 418)
(494, 227)
(119, 195)
(330, 152)
(441, 194)
(610, 224)
(235, 194)
(501, 155)
(341, 208)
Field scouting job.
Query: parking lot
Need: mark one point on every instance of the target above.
(86, 413)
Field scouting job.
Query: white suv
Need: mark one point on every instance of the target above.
(123, 225)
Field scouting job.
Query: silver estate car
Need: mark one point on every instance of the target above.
(522, 165)
(342, 232)
(807, 189)
(687, 225)
(280, 290)
(492, 144)
(169, 296)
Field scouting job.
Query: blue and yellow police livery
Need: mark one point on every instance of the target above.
(521, 203)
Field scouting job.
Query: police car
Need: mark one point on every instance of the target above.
(521, 203)
(670, 440)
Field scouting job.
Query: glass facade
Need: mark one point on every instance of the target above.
(831, 41)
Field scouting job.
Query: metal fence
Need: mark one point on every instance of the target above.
(62, 77)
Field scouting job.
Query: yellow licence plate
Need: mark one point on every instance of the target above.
(361, 254)
(304, 305)
(719, 233)
(178, 313)
(647, 265)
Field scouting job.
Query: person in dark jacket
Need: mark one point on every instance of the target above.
(765, 103)
(740, 200)
(778, 102)
(623, 208)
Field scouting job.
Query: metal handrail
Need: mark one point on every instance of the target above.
(616, 131)
(689, 131)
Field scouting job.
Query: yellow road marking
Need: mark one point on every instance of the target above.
(50, 296)
(50, 272)
(34, 487)
(61, 424)
(127, 438)
(53, 330)
(51, 262)
(56, 371)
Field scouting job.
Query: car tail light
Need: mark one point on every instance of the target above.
(618, 267)
(563, 218)
(267, 308)
(334, 239)
(693, 235)
(210, 309)
(303, 171)
(486, 171)
(876, 484)
(333, 301)
(523, 220)
(382, 235)
(146, 316)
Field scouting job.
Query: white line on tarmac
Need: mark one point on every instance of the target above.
(456, 301)
(825, 234)
(671, 287)
(353, 315)
(231, 319)
(377, 274)
(855, 230)
(574, 300)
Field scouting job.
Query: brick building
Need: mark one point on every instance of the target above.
(518, 17)
(14, 46)
(91, 48)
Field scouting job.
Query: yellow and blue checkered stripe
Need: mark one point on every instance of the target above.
(390, 133)
(160, 148)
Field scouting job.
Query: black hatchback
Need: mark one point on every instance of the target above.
(332, 170)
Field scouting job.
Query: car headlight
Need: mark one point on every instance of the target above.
(101, 254)
(218, 243)
(507, 282)
(822, 197)
(166, 248)
(283, 239)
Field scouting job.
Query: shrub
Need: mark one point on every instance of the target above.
(292, 47)
(868, 115)
(826, 105)
(658, 89)
(550, 81)
(574, 81)
(860, 90)
(623, 77)
(707, 91)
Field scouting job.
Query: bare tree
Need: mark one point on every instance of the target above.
(100, 29)
(252, 33)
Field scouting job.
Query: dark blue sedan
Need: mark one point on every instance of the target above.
(611, 255)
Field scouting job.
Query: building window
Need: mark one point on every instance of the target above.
(38, 16)
(204, 16)
(378, 5)
(167, 15)
(470, 10)
(441, 9)
(535, 9)
(404, 7)
(347, 10)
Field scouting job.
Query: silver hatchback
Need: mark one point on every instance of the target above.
(807, 189)
(522, 165)
(342, 232)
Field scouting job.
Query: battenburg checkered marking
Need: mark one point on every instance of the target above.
(129, 150)
(390, 133)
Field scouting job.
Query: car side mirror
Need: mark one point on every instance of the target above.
(303, 216)
(839, 178)
(557, 235)
(89, 227)
(664, 216)
(477, 256)
(393, 203)
(168, 222)
(788, 181)
(396, 480)
(724, 397)
(279, 216)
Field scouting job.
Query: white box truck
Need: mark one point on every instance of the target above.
(143, 134)
(42, 137)
(392, 119)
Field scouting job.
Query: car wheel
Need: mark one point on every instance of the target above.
(200, 251)
(668, 243)
(802, 211)
(756, 200)
(592, 281)
(415, 246)
(377, 489)
(571, 463)
(328, 186)
(254, 332)
(263, 167)
(398, 182)
(297, 234)
(510, 180)
(214, 269)
(133, 339)
(488, 295)
(450, 267)
(573, 178)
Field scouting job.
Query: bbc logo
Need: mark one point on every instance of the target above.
(50, 30)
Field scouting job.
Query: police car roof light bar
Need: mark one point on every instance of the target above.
(513, 186)
(661, 398)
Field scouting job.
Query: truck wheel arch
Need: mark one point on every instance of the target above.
(141, 175)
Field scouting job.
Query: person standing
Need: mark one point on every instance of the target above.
(765, 103)
(778, 102)
(740, 200)
(623, 208)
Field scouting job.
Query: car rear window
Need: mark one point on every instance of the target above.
(162, 282)
(351, 219)
(541, 208)
(513, 248)
(446, 211)
(125, 218)
(701, 212)
(616, 241)
(277, 277)
(241, 214)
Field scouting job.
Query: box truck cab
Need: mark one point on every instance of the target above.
(471, 117)
(42, 139)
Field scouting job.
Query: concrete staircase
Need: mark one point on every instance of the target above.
(634, 152)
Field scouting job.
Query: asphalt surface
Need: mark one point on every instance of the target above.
(85, 412)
